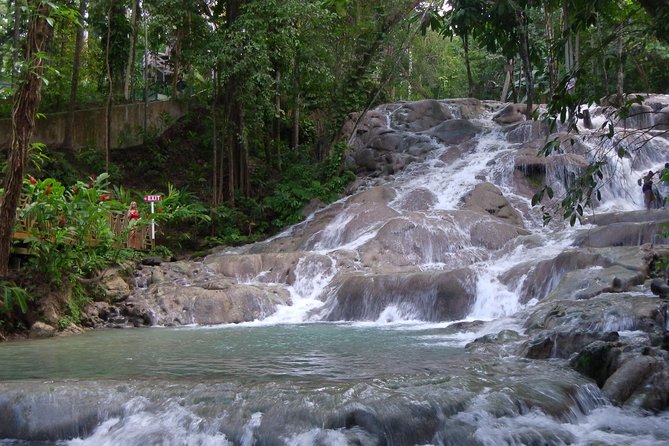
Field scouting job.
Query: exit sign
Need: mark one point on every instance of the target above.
(152, 198)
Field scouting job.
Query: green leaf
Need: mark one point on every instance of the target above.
(536, 198)
(621, 152)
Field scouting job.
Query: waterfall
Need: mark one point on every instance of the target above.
(432, 305)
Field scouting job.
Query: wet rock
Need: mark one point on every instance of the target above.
(622, 234)
(48, 416)
(655, 396)
(662, 119)
(511, 113)
(603, 219)
(115, 288)
(420, 115)
(598, 360)
(275, 268)
(604, 313)
(156, 276)
(40, 330)
(659, 287)
(558, 344)
(526, 131)
(455, 131)
(624, 381)
(429, 296)
(494, 234)
(96, 314)
(579, 274)
(417, 200)
(639, 116)
(152, 261)
(181, 305)
(487, 198)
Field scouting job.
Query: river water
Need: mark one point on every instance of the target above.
(301, 384)
(293, 380)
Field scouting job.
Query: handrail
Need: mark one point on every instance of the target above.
(118, 222)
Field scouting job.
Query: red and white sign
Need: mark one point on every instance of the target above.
(152, 198)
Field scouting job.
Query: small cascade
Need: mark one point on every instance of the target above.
(248, 435)
(312, 276)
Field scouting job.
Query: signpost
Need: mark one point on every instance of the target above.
(152, 199)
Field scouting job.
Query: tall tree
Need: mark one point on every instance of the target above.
(130, 65)
(24, 109)
(462, 20)
(74, 85)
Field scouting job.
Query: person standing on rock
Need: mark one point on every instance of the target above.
(647, 189)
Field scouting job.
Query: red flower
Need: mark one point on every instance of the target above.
(103, 197)
(75, 189)
(160, 210)
(48, 190)
(146, 215)
(32, 180)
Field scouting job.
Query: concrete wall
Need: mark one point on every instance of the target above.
(89, 125)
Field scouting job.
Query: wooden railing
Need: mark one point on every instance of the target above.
(118, 222)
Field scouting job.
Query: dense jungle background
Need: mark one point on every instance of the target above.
(269, 86)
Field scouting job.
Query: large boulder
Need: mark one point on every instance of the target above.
(415, 238)
(626, 379)
(429, 296)
(420, 115)
(269, 268)
(578, 274)
(220, 303)
(639, 116)
(455, 131)
(511, 113)
(623, 234)
(598, 360)
(488, 199)
(605, 313)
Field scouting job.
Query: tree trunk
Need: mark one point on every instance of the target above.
(551, 62)
(74, 85)
(215, 199)
(24, 108)
(524, 47)
(507, 80)
(130, 66)
(620, 81)
(145, 79)
(16, 37)
(110, 92)
(276, 121)
(175, 58)
(470, 80)
(295, 135)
